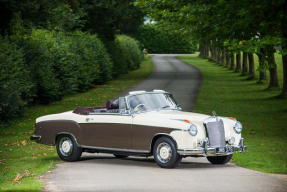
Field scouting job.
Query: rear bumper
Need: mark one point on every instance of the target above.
(35, 138)
(210, 151)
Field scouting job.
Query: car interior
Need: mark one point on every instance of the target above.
(111, 107)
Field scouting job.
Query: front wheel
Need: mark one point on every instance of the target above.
(219, 159)
(165, 153)
(67, 148)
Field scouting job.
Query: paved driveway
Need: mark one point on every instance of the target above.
(104, 172)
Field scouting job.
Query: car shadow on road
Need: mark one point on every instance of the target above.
(147, 162)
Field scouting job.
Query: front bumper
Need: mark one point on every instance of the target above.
(210, 151)
(35, 138)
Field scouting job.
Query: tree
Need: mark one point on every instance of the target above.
(252, 21)
(107, 18)
(60, 15)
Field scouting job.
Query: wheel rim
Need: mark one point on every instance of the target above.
(164, 152)
(66, 146)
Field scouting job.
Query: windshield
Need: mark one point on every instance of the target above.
(152, 101)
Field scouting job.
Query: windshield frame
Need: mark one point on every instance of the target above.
(127, 98)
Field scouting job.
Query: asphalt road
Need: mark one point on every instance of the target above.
(104, 172)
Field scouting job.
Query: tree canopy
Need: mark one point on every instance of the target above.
(239, 25)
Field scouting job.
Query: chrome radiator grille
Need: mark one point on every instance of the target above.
(216, 134)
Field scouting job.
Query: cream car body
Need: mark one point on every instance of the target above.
(144, 124)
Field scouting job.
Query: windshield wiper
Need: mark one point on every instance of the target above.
(166, 106)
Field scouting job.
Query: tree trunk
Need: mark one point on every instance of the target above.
(227, 58)
(218, 56)
(222, 57)
(284, 62)
(202, 51)
(215, 54)
(262, 74)
(244, 64)
(273, 71)
(232, 64)
(207, 52)
(284, 57)
(238, 61)
(251, 73)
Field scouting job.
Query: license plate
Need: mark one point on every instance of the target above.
(228, 149)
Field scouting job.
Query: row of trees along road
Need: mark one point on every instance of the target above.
(225, 28)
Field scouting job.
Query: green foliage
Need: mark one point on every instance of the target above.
(108, 18)
(131, 52)
(157, 39)
(14, 80)
(40, 55)
(64, 63)
(125, 53)
(51, 64)
(57, 15)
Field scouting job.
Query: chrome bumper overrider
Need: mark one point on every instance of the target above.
(35, 137)
(210, 151)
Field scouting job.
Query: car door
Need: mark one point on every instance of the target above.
(108, 130)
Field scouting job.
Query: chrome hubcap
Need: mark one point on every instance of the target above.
(164, 152)
(66, 146)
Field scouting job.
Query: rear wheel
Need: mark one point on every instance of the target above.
(67, 148)
(219, 159)
(165, 153)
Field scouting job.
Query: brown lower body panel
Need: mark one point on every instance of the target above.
(142, 135)
(106, 135)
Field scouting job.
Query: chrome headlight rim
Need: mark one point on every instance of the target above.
(192, 129)
(237, 127)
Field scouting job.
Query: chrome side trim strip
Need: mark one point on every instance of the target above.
(161, 127)
(114, 149)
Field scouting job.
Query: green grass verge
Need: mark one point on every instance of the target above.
(262, 114)
(23, 161)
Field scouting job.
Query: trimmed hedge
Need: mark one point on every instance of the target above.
(64, 63)
(44, 65)
(14, 79)
(158, 40)
(125, 53)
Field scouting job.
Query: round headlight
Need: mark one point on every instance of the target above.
(192, 129)
(237, 127)
(231, 140)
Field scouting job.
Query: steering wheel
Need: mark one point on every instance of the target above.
(138, 106)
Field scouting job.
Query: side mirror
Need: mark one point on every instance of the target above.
(178, 107)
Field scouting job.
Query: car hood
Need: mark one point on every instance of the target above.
(169, 118)
(174, 114)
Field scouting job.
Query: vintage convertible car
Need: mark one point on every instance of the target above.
(141, 124)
